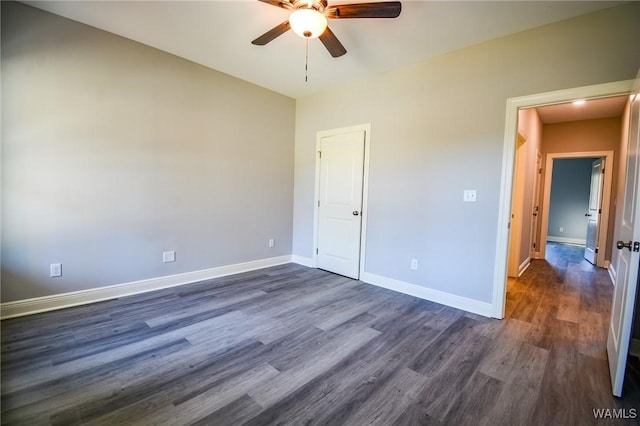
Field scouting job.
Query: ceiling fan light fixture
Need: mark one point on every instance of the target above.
(308, 23)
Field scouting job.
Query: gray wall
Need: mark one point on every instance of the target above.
(570, 187)
(437, 129)
(113, 152)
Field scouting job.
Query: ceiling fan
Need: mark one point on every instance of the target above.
(308, 19)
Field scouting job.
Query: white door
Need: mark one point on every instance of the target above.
(594, 211)
(340, 203)
(626, 281)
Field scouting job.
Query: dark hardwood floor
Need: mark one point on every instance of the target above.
(292, 345)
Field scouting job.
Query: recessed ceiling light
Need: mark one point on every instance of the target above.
(579, 102)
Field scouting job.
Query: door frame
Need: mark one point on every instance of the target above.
(515, 268)
(366, 127)
(534, 249)
(605, 202)
(604, 90)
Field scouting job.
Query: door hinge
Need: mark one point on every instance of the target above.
(316, 251)
(596, 249)
(603, 170)
(320, 154)
(599, 211)
(318, 203)
(534, 245)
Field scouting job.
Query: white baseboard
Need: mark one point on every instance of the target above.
(536, 255)
(459, 302)
(523, 266)
(612, 274)
(565, 240)
(304, 261)
(82, 297)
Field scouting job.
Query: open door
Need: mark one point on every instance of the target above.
(626, 282)
(595, 210)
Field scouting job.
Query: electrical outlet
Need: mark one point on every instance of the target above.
(169, 256)
(414, 264)
(469, 196)
(561, 229)
(272, 243)
(55, 270)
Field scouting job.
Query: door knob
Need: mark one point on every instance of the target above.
(587, 214)
(356, 212)
(621, 244)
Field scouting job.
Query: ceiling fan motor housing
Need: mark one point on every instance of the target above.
(319, 5)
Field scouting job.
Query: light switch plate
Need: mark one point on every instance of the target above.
(469, 195)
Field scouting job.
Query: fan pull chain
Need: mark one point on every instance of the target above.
(306, 62)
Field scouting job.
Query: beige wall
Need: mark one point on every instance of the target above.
(588, 135)
(530, 127)
(113, 152)
(437, 128)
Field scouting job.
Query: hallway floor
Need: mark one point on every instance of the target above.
(562, 304)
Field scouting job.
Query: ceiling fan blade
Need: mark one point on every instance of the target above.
(331, 42)
(385, 9)
(272, 33)
(278, 3)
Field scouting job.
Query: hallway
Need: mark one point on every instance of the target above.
(562, 305)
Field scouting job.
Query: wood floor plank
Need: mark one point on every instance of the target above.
(475, 401)
(523, 385)
(269, 393)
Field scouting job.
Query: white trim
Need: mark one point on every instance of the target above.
(537, 255)
(83, 297)
(302, 260)
(612, 274)
(517, 205)
(524, 266)
(458, 302)
(366, 128)
(603, 227)
(506, 182)
(567, 240)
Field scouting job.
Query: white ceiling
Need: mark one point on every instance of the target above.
(218, 34)
(590, 110)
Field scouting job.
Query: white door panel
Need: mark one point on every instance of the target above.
(339, 215)
(593, 215)
(622, 307)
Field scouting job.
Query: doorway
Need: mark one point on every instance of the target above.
(504, 214)
(607, 183)
(624, 278)
(340, 207)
